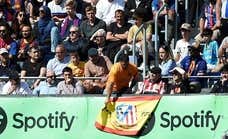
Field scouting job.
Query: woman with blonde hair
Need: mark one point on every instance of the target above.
(166, 60)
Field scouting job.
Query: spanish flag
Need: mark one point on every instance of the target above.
(126, 115)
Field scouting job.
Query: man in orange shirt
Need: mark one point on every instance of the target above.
(119, 77)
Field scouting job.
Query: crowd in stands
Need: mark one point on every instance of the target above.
(58, 40)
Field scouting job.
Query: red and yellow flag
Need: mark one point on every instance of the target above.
(126, 115)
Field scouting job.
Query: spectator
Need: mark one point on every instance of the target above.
(210, 49)
(33, 67)
(72, 18)
(47, 87)
(208, 19)
(29, 10)
(105, 9)
(222, 85)
(99, 38)
(194, 64)
(76, 42)
(180, 83)
(170, 11)
(181, 49)
(91, 24)
(76, 65)
(16, 86)
(6, 12)
(20, 18)
(58, 10)
(120, 75)
(166, 60)
(7, 65)
(26, 42)
(117, 33)
(70, 85)
(6, 41)
(139, 16)
(222, 18)
(47, 33)
(153, 85)
(60, 61)
(96, 66)
(223, 49)
(131, 5)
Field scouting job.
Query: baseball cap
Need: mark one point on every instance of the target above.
(3, 50)
(92, 52)
(186, 26)
(178, 69)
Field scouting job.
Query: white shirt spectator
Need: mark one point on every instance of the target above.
(57, 9)
(106, 9)
(182, 49)
(22, 90)
(57, 66)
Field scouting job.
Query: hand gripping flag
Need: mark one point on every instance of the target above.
(126, 115)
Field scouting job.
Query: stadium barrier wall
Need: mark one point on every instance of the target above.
(193, 116)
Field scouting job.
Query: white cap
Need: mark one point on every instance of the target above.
(3, 50)
(178, 69)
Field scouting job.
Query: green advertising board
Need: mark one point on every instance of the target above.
(176, 117)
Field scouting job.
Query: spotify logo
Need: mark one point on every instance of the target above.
(3, 120)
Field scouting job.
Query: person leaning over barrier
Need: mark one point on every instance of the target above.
(120, 75)
(222, 85)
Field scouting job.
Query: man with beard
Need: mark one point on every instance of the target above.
(26, 42)
(34, 66)
(49, 86)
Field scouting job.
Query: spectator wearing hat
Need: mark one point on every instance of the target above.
(180, 83)
(210, 49)
(139, 17)
(154, 84)
(222, 85)
(120, 76)
(6, 64)
(15, 86)
(194, 64)
(96, 66)
(181, 49)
